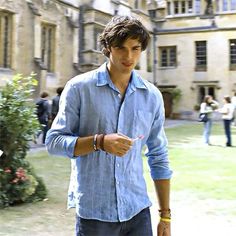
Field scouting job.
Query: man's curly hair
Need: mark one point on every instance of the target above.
(121, 28)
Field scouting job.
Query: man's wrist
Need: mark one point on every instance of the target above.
(100, 142)
(165, 213)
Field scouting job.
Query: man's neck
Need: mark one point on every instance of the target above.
(120, 80)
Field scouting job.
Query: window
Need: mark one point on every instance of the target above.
(217, 5)
(168, 8)
(183, 8)
(176, 7)
(232, 46)
(180, 7)
(233, 5)
(167, 56)
(204, 90)
(5, 39)
(201, 55)
(190, 6)
(225, 5)
(48, 46)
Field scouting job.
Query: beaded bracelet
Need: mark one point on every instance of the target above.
(165, 212)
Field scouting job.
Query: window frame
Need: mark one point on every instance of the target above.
(48, 44)
(169, 62)
(202, 55)
(6, 39)
(232, 55)
(180, 7)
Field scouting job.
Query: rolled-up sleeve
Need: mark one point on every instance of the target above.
(157, 147)
(62, 136)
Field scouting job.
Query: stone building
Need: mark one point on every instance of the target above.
(192, 51)
(57, 39)
(39, 36)
(196, 51)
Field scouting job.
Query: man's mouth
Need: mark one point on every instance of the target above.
(127, 64)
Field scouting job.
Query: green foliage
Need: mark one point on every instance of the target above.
(176, 94)
(18, 126)
(197, 107)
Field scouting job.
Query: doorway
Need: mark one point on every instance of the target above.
(168, 102)
(205, 90)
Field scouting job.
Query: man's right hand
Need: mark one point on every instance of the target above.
(117, 144)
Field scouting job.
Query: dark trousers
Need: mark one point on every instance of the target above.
(44, 130)
(227, 124)
(139, 225)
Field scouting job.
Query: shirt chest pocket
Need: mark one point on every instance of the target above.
(142, 123)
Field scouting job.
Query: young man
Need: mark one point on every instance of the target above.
(105, 118)
(43, 114)
(55, 102)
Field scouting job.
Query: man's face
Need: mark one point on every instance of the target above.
(124, 58)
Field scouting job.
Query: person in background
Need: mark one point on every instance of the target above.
(43, 113)
(208, 106)
(227, 112)
(233, 101)
(105, 118)
(55, 103)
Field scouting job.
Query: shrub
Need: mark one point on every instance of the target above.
(18, 126)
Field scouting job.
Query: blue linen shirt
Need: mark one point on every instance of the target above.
(104, 186)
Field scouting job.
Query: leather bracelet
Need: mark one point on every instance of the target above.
(165, 212)
(102, 142)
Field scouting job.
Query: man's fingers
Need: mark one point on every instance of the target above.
(125, 139)
(126, 142)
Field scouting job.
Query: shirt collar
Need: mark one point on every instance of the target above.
(104, 78)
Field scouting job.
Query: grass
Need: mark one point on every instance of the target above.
(46, 218)
(201, 173)
(207, 171)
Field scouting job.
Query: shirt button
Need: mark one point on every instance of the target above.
(118, 165)
(119, 95)
(117, 182)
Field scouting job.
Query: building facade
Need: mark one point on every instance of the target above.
(192, 52)
(196, 51)
(41, 37)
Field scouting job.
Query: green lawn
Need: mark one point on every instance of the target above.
(200, 172)
(205, 173)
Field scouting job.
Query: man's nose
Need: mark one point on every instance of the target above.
(128, 54)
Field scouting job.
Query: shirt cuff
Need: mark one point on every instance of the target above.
(70, 143)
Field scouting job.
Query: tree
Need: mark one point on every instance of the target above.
(18, 126)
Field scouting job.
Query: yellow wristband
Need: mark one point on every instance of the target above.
(165, 219)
